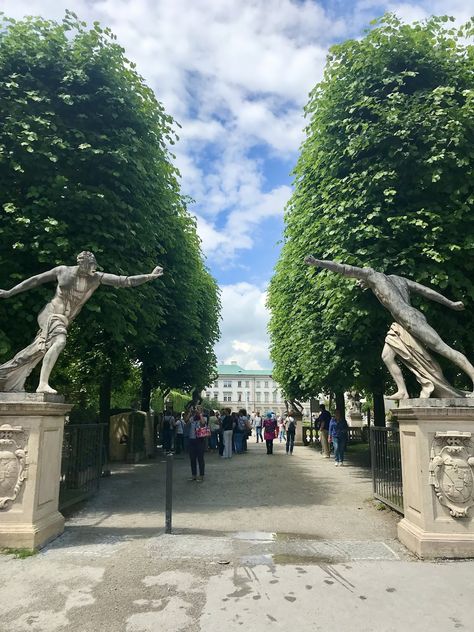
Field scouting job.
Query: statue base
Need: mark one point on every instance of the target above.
(354, 419)
(31, 437)
(437, 447)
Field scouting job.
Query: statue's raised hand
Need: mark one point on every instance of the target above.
(157, 272)
(458, 306)
(310, 260)
(5, 293)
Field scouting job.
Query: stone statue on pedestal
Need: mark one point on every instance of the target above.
(410, 336)
(75, 285)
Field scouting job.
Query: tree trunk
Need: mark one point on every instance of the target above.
(379, 409)
(146, 391)
(341, 403)
(105, 393)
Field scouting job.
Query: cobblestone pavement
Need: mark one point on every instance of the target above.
(275, 542)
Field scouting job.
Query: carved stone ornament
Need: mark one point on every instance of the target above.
(13, 467)
(452, 471)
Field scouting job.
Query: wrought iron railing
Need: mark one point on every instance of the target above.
(387, 466)
(81, 464)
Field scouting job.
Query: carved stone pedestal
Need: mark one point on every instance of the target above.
(354, 419)
(31, 436)
(437, 443)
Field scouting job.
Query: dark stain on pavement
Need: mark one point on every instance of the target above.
(269, 616)
(291, 599)
(308, 587)
(363, 597)
(328, 581)
(391, 590)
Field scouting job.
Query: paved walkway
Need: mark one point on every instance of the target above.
(269, 542)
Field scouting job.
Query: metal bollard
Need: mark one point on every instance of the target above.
(169, 492)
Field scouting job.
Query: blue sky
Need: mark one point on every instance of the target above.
(236, 75)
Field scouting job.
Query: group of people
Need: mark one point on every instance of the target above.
(225, 432)
(333, 430)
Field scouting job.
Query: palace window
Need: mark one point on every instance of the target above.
(227, 383)
(258, 397)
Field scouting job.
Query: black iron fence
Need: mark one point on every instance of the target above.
(81, 464)
(387, 466)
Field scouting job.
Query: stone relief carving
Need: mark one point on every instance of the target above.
(13, 466)
(451, 471)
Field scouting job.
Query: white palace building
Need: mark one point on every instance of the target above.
(253, 390)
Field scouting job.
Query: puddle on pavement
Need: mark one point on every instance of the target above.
(268, 559)
(266, 536)
(261, 536)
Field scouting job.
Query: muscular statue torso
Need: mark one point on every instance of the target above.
(72, 292)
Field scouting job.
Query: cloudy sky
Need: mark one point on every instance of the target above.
(236, 74)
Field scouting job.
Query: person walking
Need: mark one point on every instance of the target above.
(257, 424)
(168, 431)
(179, 434)
(322, 424)
(214, 425)
(197, 446)
(227, 429)
(290, 427)
(239, 429)
(338, 430)
(281, 429)
(269, 431)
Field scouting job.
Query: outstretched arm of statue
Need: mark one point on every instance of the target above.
(34, 281)
(340, 268)
(130, 281)
(432, 295)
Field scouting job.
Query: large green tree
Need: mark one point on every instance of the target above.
(385, 179)
(85, 165)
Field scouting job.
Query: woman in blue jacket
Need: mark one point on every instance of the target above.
(338, 432)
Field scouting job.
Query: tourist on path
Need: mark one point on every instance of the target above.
(179, 435)
(239, 430)
(281, 428)
(168, 431)
(215, 426)
(338, 432)
(322, 424)
(290, 427)
(269, 431)
(196, 446)
(257, 424)
(227, 429)
(244, 423)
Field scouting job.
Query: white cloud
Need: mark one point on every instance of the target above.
(244, 326)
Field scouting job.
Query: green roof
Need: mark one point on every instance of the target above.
(235, 369)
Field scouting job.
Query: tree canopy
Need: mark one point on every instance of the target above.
(384, 179)
(85, 165)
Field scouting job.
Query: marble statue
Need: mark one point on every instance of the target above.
(74, 287)
(410, 337)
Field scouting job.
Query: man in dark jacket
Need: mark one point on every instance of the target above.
(322, 424)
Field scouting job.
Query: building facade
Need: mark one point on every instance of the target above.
(254, 390)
